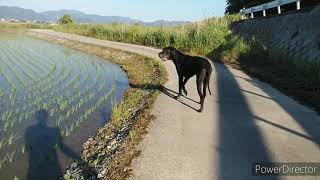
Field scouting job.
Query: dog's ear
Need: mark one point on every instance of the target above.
(172, 51)
(172, 48)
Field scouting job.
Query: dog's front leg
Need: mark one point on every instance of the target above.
(180, 86)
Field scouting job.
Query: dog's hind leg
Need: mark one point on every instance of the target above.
(200, 79)
(205, 86)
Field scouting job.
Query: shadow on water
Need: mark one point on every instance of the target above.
(170, 93)
(42, 144)
(241, 144)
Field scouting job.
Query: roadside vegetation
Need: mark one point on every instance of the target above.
(198, 38)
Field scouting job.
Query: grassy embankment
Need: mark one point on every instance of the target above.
(213, 38)
(16, 27)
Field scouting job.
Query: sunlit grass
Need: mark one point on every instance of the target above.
(199, 37)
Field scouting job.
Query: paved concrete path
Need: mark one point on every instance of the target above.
(245, 121)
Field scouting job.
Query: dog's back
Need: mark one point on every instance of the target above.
(193, 65)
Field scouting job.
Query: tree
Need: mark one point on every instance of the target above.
(65, 19)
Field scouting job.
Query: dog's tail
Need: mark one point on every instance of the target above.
(208, 75)
(209, 88)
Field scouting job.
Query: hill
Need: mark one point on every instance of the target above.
(78, 16)
(20, 13)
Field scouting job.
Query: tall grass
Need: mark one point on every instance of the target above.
(199, 37)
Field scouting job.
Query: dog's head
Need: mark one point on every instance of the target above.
(167, 53)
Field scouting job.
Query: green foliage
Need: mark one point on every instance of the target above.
(65, 19)
(16, 27)
(200, 37)
(231, 51)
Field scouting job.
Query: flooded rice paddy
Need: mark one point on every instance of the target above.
(52, 99)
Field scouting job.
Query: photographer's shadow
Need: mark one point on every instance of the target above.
(42, 143)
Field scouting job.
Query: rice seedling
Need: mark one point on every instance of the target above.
(12, 138)
(13, 71)
(1, 93)
(23, 149)
(25, 68)
(52, 111)
(6, 126)
(2, 162)
(4, 74)
(71, 127)
(67, 132)
(63, 105)
(10, 156)
(1, 143)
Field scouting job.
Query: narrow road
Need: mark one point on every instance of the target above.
(244, 121)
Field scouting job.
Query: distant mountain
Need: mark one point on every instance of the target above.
(20, 13)
(79, 17)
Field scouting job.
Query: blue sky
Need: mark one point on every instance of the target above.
(146, 10)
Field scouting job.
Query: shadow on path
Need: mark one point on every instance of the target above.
(170, 93)
(309, 121)
(240, 141)
(284, 128)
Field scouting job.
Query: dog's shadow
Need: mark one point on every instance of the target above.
(170, 93)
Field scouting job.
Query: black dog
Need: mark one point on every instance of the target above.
(188, 66)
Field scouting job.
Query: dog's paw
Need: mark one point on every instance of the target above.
(177, 97)
(185, 92)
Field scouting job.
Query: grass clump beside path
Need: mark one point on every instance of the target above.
(111, 151)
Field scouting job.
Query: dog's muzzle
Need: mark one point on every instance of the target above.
(161, 56)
